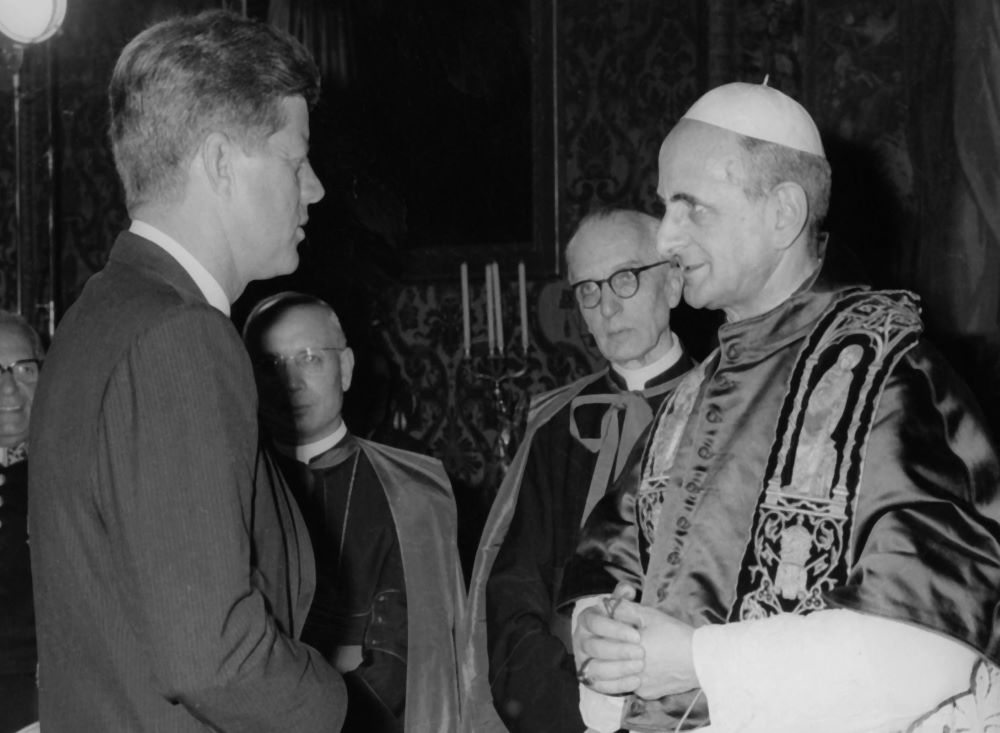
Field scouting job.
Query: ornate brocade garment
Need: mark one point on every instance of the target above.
(800, 543)
(800, 468)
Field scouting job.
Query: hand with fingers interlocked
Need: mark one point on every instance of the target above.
(621, 646)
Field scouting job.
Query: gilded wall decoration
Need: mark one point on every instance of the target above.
(768, 40)
(860, 105)
(627, 71)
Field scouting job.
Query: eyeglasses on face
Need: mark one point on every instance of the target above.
(23, 370)
(309, 361)
(624, 283)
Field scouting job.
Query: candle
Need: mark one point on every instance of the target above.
(498, 309)
(490, 343)
(466, 330)
(522, 294)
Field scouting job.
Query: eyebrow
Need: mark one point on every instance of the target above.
(623, 267)
(686, 198)
(683, 197)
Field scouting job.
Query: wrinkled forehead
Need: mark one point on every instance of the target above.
(302, 326)
(696, 151)
(603, 246)
(14, 342)
(294, 134)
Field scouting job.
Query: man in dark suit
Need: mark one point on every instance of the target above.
(172, 569)
(21, 354)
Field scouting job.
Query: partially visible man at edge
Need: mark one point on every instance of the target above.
(577, 442)
(172, 570)
(21, 354)
(815, 525)
(382, 522)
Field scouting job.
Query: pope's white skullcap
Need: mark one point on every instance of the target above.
(757, 110)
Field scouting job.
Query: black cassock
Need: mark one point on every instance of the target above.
(532, 675)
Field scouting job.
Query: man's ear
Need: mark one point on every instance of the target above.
(216, 159)
(789, 212)
(346, 368)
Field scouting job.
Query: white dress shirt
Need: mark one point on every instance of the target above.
(207, 284)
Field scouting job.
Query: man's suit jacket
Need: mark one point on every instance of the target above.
(172, 569)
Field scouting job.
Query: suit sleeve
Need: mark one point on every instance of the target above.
(531, 673)
(179, 427)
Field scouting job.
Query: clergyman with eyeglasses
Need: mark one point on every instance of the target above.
(21, 354)
(382, 522)
(577, 443)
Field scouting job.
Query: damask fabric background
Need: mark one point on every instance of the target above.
(880, 76)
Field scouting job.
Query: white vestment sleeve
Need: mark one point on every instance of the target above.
(835, 671)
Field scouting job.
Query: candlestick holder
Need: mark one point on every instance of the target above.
(499, 371)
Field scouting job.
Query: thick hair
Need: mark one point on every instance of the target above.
(8, 318)
(185, 77)
(769, 164)
(267, 312)
(644, 225)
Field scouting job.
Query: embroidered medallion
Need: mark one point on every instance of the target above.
(661, 449)
(799, 546)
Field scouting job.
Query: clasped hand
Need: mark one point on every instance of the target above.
(633, 648)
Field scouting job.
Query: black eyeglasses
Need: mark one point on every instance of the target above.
(310, 361)
(623, 283)
(23, 370)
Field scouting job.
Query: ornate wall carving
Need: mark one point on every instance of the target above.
(627, 71)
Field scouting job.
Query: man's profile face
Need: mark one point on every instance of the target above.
(717, 233)
(303, 394)
(630, 332)
(275, 186)
(16, 396)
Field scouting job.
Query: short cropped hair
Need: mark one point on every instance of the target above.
(267, 312)
(7, 318)
(769, 164)
(187, 76)
(644, 225)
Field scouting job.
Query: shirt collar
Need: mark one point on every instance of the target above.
(635, 379)
(308, 451)
(207, 284)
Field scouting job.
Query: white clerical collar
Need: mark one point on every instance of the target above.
(207, 284)
(14, 454)
(635, 379)
(305, 453)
